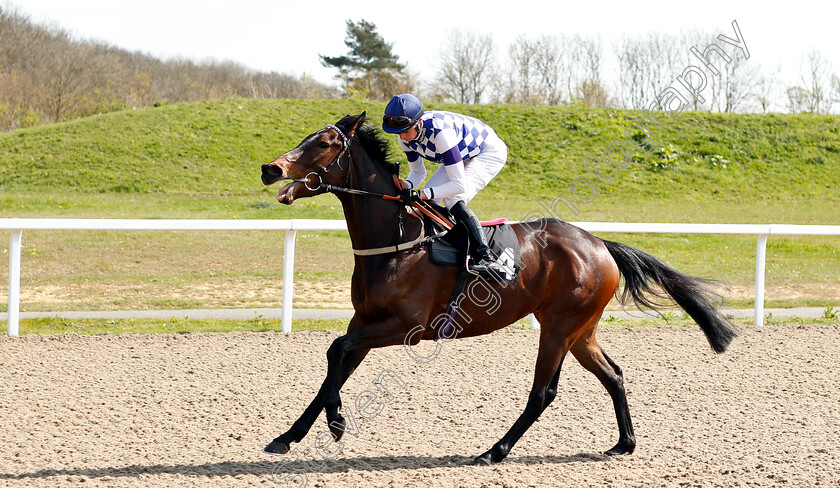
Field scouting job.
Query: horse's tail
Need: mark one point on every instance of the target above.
(692, 294)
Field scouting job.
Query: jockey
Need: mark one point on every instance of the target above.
(471, 153)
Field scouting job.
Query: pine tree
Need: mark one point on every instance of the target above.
(369, 69)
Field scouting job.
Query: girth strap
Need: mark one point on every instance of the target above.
(398, 247)
(447, 330)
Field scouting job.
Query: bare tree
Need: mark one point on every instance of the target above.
(551, 61)
(733, 88)
(815, 73)
(47, 75)
(765, 88)
(591, 55)
(798, 99)
(524, 75)
(65, 79)
(647, 65)
(835, 88)
(589, 90)
(633, 92)
(688, 39)
(541, 70)
(663, 58)
(466, 66)
(554, 69)
(814, 95)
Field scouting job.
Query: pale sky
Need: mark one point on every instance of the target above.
(287, 36)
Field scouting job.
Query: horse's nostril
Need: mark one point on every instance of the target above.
(270, 169)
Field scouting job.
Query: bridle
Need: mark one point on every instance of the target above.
(345, 145)
(334, 188)
(422, 207)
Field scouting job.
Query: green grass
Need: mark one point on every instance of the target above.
(197, 148)
(202, 159)
(216, 147)
(58, 326)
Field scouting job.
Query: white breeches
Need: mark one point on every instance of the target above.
(478, 172)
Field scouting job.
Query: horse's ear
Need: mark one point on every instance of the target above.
(356, 123)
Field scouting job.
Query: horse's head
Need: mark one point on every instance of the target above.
(313, 161)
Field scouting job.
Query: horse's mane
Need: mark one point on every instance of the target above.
(376, 144)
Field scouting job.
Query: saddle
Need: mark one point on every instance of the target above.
(452, 247)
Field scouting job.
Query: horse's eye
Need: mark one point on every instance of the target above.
(323, 145)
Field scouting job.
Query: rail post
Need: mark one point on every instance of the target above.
(760, 255)
(13, 327)
(288, 280)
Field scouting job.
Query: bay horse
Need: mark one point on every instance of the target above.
(567, 279)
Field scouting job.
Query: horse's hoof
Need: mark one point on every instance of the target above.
(276, 448)
(622, 448)
(483, 460)
(337, 428)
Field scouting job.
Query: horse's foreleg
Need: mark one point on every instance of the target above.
(593, 358)
(300, 428)
(546, 376)
(349, 363)
(344, 355)
(344, 368)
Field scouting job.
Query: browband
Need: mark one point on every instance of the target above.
(343, 137)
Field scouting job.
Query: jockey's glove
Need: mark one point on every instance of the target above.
(408, 195)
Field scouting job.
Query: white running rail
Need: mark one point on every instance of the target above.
(17, 226)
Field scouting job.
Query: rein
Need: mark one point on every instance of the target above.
(421, 206)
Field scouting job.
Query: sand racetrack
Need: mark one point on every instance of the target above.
(195, 410)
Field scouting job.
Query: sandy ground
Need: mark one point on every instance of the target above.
(195, 410)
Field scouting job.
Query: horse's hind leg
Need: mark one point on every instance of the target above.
(592, 357)
(549, 362)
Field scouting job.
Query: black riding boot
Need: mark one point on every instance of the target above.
(481, 261)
